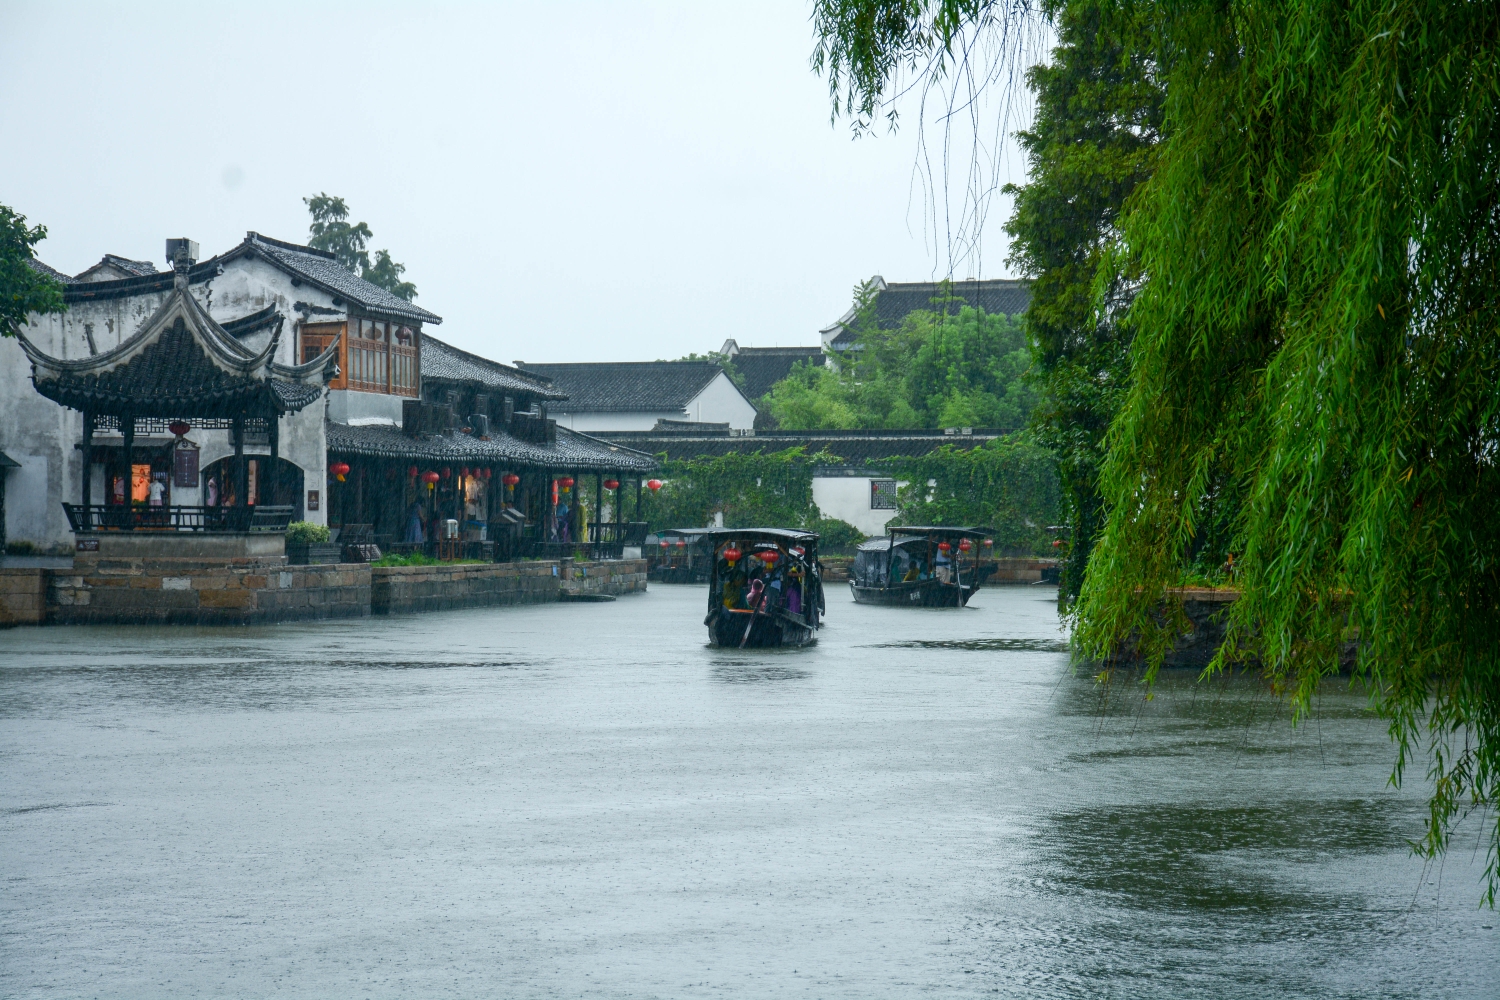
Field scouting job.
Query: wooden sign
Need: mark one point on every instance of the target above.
(312, 499)
(185, 465)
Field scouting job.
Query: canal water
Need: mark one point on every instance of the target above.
(585, 800)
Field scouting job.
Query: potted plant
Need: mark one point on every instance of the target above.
(307, 544)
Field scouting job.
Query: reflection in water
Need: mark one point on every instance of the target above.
(585, 800)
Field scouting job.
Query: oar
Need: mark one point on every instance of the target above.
(756, 587)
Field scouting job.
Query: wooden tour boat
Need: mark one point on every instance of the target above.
(921, 567)
(764, 588)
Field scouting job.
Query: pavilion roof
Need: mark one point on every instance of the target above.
(181, 363)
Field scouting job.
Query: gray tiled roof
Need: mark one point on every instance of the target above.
(132, 268)
(763, 367)
(899, 299)
(172, 377)
(628, 386)
(572, 450)
(50, 271)
(320, 268)
(444, 362)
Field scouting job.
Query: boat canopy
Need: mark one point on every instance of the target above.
(937, 529)
(784, 536)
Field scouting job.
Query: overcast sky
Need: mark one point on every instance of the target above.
(564, 182)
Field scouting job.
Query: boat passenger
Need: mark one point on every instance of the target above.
(944, 569)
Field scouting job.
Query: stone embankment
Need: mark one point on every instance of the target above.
(238, 580)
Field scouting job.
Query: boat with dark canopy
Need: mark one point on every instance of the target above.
(921, 566)
(765, 588)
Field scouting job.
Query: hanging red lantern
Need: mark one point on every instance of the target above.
(179, 427)
(653, 485)
(665, 543)
(339, 470)
(566, 482)
(411, 472)
(464, 472)
(770, 556)
(732, 554)
(944, 547)
(510, 479)
(682, 543)
(964, 545)
(611, 484)
(989, 543)
(487, 473)
(1057, 543)
(430, 478)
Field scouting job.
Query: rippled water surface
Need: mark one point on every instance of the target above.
(584, 800)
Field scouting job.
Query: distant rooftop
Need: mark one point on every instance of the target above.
(628, 386)
(896, 300)
(443, 362)
(763, 367)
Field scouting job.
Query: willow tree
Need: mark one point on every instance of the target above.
(1316, 330)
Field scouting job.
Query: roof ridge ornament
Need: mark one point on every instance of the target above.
(182, 254)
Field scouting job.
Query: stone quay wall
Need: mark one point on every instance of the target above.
(403, 589)
(241, 580)
(200, 579)
(23, 597)
(603, 579)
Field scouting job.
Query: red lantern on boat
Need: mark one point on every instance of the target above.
(732, 554)
(339, 470)
(611, 484)
(944, 547)
(510, 479)
(653, 485)
(770, 556)
(665, 543)
(179, 427)
(964, 545)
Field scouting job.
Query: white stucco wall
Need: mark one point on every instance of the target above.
(847, 498)
(634, 420)
(348, 406)
(721, 402)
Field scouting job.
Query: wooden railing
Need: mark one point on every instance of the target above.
(119, 517)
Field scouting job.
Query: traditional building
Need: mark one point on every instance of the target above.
(896, 300)
(762, 367)
(635, 395)
(270, 376)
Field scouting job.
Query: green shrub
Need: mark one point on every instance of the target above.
(306, 533)
(835, 535)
